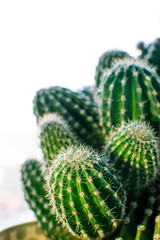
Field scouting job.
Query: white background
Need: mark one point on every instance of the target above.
(47, 43)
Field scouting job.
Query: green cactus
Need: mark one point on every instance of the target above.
(54, 136)
(88, 92)
(80, 113)
(142, 219)
(130, 92)
(106, 61)
(151, 53)
(133, 150)
(36, 196)
(143, 48)
(87, 198)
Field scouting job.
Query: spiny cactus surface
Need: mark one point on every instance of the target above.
(106, 61)
(55, 135)
(131, 92)
(142, 221)
(133, 150)
(80, 113)
(36, 196)
(87, 198)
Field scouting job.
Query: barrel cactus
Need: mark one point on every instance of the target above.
(130, 92)
(133, 150)
(86, 196)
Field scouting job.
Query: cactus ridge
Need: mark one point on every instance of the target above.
(106, 61)
(80, 113)
(130, 92)
(133, 150)
(54, 136)
(87, 198)
(35, 194)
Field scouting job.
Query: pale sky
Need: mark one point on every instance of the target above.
(47, 43)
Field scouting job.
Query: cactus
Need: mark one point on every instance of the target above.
(54, 136)
(87, 198)
(35, 194)
(151, 53)
(143, 48)
(138, 223)
(100, 147)
(130, 92)
(106, 61)
(133, 150)
(80, 113)
(89, 92)
(142, 219)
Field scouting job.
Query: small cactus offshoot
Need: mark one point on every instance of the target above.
(86, 196)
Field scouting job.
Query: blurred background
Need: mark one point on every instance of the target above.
(47, 43)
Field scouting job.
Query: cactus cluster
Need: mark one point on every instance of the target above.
(99, 174)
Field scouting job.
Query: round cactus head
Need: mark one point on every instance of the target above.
(130, 92)
(86, 196)
(133, 149)
(55, 135)
(106, 61)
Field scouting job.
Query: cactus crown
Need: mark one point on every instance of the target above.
(134, 151)
(106, 62)
(131, 91)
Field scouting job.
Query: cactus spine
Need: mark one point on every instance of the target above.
(130, 91)
(80, 113)
(87, 198)
(134, 152)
